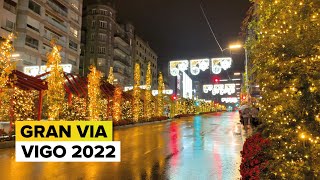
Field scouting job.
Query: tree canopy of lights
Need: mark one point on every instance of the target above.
(160, 103)
(6, 66)
(136, 93)
(110, 76)
(94, 93)
(285, 50)
(117, 99)
(148, 95)
(55, 92)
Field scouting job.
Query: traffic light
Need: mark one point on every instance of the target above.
(215, 79)
(174, 97)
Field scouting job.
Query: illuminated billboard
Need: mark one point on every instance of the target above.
(221, 89)
(186, 86)
(37, 70)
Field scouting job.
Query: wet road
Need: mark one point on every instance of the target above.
(195, 148)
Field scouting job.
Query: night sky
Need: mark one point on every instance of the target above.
(176, 29)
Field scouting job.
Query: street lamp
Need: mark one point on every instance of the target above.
(238, 46)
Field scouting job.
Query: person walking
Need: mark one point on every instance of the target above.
(246, 119)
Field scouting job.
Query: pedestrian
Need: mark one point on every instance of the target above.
(254, 116)
(246, 118)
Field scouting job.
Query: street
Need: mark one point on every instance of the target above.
(200, 147)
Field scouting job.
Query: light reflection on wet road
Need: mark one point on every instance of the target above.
(200, 147)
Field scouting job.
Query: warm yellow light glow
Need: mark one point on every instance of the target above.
(235, 46)
(237, 74)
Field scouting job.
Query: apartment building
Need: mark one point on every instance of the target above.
(8, 16)
(40, 21)
(143, 54)
(106, 43)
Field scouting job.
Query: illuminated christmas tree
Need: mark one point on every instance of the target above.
(6, 68)
(55, 92)
(117, 99)
(110, 76)
(94, 93)
(148, 95)
(285, 52)
(160, 104)
(136, 93)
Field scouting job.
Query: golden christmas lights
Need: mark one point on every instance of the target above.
(94, 93)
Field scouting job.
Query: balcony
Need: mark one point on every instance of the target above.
(56, 24)
(56, 8)
(61, 41)
(122, 61)
(122, 50)
(9, 7)
(122, 41)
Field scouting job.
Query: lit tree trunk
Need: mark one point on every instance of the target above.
(117, 98)
(136, 93)
(148, 95)
(110, 76)
(55, 92)
(94, 93)
(160, 96)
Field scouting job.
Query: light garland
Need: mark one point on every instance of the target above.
(148, 95)
(136, 93)
(160, 104)
(117, 98)
(110, 79)
(23, 104)
(94, 93)
(286, 57)
(55, 92)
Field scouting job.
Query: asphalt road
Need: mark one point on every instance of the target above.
(194, 148)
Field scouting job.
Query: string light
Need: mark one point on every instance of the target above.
(94, 93)
(160, 104)
(136, 93)
(148, 95)
(117, 98)
(110, 79)
(55, 92)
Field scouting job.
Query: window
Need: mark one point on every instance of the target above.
(74, 32)
(94, 11)
(73, 45)
(102, 50)
(33, 24)
(91, 49)
(10, 5)
(92, 36)
(34, 7)
(9, 25)
(31, 42)
(103, 12)
(93, 23)
(102, 37)
(103, 24)
(101, 62)
(74, 16)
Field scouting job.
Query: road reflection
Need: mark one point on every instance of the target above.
(200, 147)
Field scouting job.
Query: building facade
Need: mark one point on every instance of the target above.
(8, 16)
(106, 43)
(143, 54)
(40, 21)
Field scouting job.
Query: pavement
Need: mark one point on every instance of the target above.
(192, 148)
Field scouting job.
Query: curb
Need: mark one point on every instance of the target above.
(142, 124)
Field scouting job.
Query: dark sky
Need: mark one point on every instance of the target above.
(176, 29)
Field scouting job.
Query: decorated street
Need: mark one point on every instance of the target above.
(200, 147)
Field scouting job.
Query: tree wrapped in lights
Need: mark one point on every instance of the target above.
(110, 79)
(6, 66)
(148, 95)
(127, 110)
(117, 99)
(136, 93)
(24, 107)
(286, 53)
(55, 92)
(160, 103)
(94, 93)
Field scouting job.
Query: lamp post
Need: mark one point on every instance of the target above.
(238, 46)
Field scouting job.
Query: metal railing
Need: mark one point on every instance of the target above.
(57, 8)
(56, 24)
(9, 7)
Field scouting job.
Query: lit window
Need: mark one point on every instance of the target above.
(73, 32)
